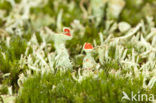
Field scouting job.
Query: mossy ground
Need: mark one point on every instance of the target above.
(60, 87)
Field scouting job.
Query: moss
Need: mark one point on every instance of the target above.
(41, 88)
(9, 63)
(106, 88)
(134, 12)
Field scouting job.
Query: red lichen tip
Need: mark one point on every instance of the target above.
(66, 31)
(88, 46)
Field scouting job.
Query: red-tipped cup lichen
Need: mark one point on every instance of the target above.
(88, 62)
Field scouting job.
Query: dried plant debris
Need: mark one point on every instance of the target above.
(79, 51)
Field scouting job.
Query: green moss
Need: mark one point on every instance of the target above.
(106, 88)
(134, 12)
(41, 88)
(9, 63)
